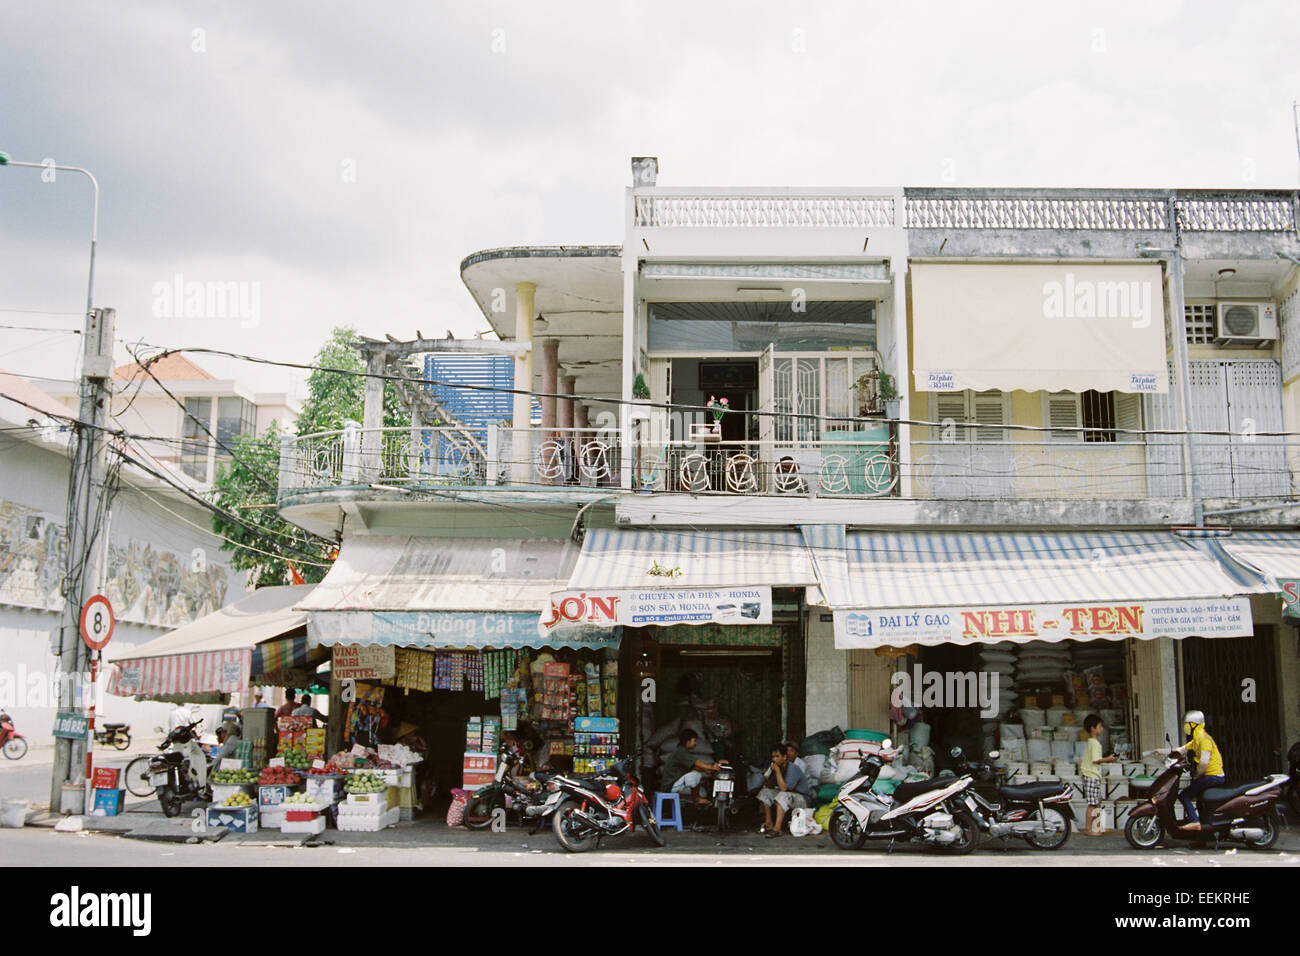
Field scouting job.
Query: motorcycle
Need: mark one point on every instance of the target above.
(585, 811)
(12, 742)
(181, 772)
(116, 735)
(1038, 813)
(529, 804)
(930, 812)
(724, 794)
(1244, 813)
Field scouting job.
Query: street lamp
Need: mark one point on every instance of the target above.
(94, 218)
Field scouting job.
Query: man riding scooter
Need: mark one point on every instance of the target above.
(1209, 765)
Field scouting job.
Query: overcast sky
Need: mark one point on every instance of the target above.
(342, 158)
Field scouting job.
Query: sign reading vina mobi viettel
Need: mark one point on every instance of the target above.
(1224, 617)
(662, 606)
(364, 661)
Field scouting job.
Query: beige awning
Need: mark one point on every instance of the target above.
(1069, 327)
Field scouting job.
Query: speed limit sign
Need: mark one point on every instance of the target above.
(97, 622)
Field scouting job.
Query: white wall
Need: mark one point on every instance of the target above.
(828, 681)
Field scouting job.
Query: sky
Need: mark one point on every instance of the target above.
(337, 161)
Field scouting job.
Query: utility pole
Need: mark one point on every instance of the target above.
(86, 513)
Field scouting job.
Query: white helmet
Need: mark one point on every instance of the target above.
(1191, 720)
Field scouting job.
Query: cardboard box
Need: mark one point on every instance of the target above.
(271, 818)
(274, 794)
(478, 770)
(108, 803)
(234, 819)
(105, 778)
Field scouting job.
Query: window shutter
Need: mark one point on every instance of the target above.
(1128, 415)
(988, 408)
(1063, 417)
(950, 406)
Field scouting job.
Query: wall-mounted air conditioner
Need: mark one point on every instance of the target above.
(1250, 324)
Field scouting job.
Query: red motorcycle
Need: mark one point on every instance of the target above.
(588, 809)
(12, 742)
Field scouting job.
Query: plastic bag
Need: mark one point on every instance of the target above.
(822, 816)
(803, 822)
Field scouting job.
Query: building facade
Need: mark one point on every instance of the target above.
(797, 443)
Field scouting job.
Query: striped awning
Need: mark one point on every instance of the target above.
(882, 569)
(702, 559)
(286, 653)
(213, 655)
(899, 588)
(1273, 553)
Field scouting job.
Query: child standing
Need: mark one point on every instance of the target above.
(1091, 773)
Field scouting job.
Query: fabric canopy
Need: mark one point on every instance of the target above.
(444, 593)
(1273, 553)
(703, 559)
(890, 588)
(212, 655)
(1067, 327)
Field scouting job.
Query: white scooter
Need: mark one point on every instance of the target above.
(928, 812)
(181, 772)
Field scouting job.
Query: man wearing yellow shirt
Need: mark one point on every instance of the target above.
(1208, 771)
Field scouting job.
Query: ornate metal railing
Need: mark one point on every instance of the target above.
(722, 211)
(1030, 212)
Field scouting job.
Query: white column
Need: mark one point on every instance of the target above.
(518, 445)
(902, 373)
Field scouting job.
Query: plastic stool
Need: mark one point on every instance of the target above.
(676, 819)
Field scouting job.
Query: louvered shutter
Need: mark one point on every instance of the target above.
(1128, 416)
(1064, 417)
(988, 408)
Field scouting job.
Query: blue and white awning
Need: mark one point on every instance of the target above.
(717, 558)
(896, 588)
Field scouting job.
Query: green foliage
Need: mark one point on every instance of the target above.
(333, 399)
(244, 488)
(640, 389)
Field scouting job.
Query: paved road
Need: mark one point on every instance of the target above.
(44, 847)
(29, 778)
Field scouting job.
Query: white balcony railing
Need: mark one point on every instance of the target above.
(550, 459)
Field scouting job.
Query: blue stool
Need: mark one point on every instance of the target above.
(676, 819)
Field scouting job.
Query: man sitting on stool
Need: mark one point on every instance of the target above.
(684, 772)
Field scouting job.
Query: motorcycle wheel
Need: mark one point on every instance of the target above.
(1269, 826)
(1143, 833)
(846, 833)
(1057, 840)
(137, 777)
(479, 810)
(722, 814)
(15, 748)
(122, 741)
(646, 820)
(970, 833)
(170, 801)
(573, 835)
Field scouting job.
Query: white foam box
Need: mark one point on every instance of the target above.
(271, 818)
(1117, 788)
(316, 825)
(1123, 810)
(1040, 768)
(368, 823)
(372, 802)
(324, 789)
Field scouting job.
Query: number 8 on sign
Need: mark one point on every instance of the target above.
(97, 622)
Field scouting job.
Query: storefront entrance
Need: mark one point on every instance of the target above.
(1248, 732)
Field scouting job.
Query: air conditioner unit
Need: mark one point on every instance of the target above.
(1246, 323)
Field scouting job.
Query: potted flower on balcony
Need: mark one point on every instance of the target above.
(877, 395)
(718, 407)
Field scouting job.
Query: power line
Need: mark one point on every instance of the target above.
(37, 328)
(671, 406)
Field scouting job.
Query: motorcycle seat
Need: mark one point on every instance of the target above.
(1029, 792)
(117, 726)
(906, 791)
(1216, 795)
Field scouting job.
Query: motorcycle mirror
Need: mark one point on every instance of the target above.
(955, 753)
(1167, 740)
(157, 730)
(994, 754)
(886, 744)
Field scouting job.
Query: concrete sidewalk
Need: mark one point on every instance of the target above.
(142, 824)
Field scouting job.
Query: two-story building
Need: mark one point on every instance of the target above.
(1037, 434)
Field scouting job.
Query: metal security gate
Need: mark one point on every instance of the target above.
(1248, 733)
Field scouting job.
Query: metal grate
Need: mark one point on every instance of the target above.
(1248, 733)
(1200, 323)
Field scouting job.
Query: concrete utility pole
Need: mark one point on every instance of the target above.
(86, 514)
(86, 507)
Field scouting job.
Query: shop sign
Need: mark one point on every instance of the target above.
(1290, 589)
(1224, 617)
(364, 661)
(657, 606)
(230, 676)
(71, 726)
